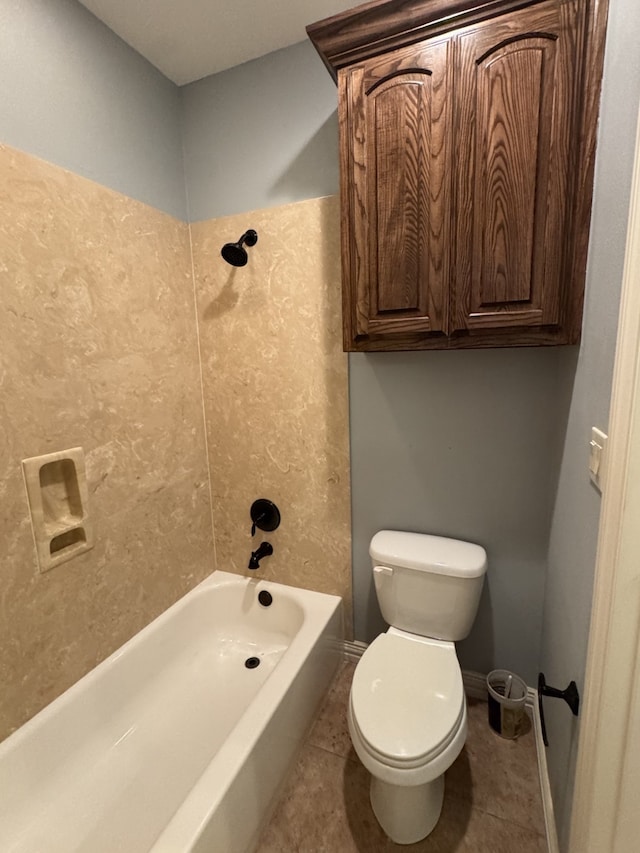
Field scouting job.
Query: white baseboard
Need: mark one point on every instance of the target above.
(475, 684)
(353, 649)
(545, 787)
(475, 687)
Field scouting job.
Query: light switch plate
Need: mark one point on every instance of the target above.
(597, 456)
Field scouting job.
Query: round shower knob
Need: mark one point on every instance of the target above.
(264, 515)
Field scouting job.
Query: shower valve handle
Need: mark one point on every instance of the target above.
(264, 515)
(256, 523)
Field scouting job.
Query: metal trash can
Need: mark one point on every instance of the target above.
(507, 694)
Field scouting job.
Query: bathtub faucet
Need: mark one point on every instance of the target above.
(265, 549)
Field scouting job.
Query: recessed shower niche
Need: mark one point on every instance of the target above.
(58, 500)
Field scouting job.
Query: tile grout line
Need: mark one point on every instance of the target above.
(474, 688)
(205, 424)
(504, 820)
(331, 710)
(331, 752)
(492, 814)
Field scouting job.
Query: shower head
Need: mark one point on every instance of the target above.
(235, 253)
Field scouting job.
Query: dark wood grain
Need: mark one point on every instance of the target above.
(467, 139)
(352, 204)
(515, 119)
(395, 258)
(581, 164)
(399, 169)
(472, 339)
(378, 27)
(510, 97)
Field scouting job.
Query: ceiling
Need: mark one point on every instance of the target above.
(190, 39)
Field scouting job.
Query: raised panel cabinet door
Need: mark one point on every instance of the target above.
(395, 129)
(514, 114)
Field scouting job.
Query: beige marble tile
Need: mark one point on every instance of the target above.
(98, 350)
(325, 805)
(279, 835)
(465, 829)
(499, 776)
(326, 808)
(275, 384)
(330, 731)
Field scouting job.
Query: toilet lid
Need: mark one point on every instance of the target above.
(407, 697)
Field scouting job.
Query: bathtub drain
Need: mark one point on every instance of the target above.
(252, 663)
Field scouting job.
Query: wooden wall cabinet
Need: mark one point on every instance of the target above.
(467, 145)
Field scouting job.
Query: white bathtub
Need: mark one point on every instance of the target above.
(172, 744)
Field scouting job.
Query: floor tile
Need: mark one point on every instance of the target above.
(465, 829)
(330, 730)
(492, 798)
(278, 836)
(322, 805)
(326, 809)
(497, 775)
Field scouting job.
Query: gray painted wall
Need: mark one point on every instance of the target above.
(572, 550)
(261, 134)
(461, 444)
(74, 94)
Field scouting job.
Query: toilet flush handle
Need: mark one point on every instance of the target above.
(383, 570)
(380, 574)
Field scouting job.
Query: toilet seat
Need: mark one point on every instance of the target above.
(407, 699)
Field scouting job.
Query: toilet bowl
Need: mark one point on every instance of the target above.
(407, 712)
(407, 719)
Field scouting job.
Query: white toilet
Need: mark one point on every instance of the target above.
(407, 711)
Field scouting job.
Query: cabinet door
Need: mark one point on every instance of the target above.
(395, 134)
(514, 112)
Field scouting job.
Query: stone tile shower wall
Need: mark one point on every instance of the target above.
(275, 388)
(98, 349)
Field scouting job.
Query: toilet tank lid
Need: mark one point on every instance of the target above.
(423, 551)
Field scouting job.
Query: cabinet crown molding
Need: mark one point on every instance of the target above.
(381, 25)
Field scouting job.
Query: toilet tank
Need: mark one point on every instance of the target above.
(427, 585)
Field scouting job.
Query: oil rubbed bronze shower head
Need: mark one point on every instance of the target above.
(235, 253)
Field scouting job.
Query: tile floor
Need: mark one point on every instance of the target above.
(492, 798)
